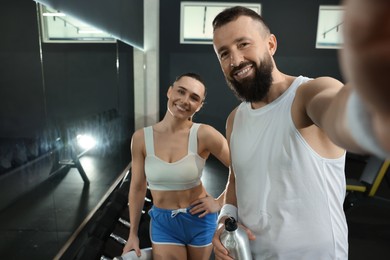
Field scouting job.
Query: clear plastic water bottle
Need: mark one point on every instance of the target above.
(235, 240)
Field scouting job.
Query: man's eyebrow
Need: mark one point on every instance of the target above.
(219, 50)
(222, 48)
(241, 39)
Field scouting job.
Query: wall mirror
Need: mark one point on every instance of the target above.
(329, 28)
(53, 99)
(196, 20)
(57, 27)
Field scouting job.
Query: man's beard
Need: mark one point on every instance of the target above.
(256, 88)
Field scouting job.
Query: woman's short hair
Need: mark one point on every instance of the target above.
(194, 76)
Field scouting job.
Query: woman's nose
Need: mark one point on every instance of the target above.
(185, 99)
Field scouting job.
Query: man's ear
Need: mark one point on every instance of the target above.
(273, 44)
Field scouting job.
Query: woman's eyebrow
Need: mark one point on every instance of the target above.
(192, 93)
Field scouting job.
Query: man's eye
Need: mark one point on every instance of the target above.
(242, 45)
(223, 55)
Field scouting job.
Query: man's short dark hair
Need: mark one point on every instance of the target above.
(232, 13)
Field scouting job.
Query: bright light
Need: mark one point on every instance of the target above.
(85, 141)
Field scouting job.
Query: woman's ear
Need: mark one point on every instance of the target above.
(169, 92)
(201, 105)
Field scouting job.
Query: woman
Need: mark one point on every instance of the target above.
(169, 157)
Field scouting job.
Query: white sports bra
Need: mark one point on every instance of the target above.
(180, 175)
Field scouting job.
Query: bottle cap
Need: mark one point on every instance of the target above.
(230, 224)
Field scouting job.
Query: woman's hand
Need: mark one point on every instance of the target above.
(204, 206)
(132, 244)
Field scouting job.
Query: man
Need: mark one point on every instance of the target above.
(287, 183)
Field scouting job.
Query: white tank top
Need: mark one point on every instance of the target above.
(180, 175)
(287, 194)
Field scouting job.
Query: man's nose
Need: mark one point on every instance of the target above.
(235, 59)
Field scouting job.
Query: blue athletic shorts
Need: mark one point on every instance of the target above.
(180, 227)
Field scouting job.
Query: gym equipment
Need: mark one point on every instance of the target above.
(108, 229)
(364, 189)
(92, 249)
(118, 239)
(112, 248)
(124, 222)
(106, 221)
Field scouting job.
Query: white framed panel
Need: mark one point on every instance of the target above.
(58, 27)
(196, 20)
(330, 26)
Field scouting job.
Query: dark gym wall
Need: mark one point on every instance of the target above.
(21, 96)
(293, 22)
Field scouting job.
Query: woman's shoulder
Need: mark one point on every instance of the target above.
(141, 131)
(205, 128)
(207, 132)
(138, 141)
(138, 135)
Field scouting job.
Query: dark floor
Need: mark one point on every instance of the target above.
(39, 224)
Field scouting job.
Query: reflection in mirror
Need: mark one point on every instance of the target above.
(50, 96)
(57, 26)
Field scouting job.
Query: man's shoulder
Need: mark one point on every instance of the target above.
(233, 113)
(230, 119)
(323, 80)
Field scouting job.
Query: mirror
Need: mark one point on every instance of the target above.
(53, 97)
(196, 20)
(69, 90)
(56, 26)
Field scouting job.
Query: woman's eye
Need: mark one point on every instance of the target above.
(195, 99)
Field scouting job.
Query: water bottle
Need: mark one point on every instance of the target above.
(235, 240)
(146, 254)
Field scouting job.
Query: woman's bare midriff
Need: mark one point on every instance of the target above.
(178, 198)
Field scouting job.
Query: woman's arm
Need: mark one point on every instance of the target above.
(137, 190)
(214, 143)
(218, 146)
